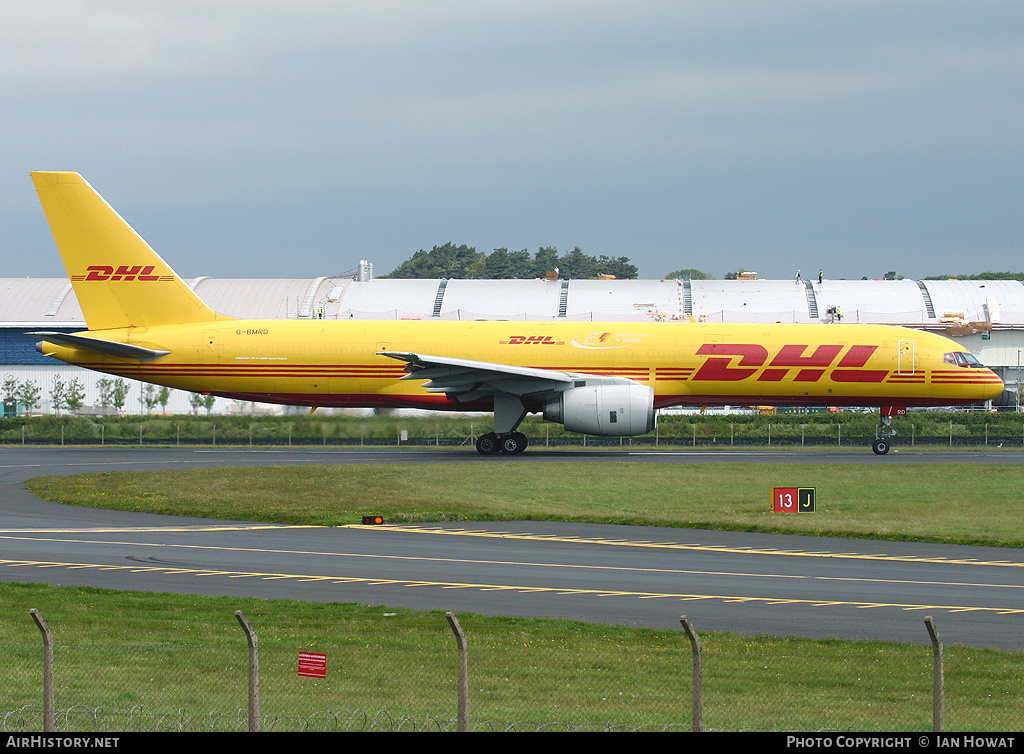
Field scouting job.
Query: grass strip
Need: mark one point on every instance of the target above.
(140, 661)
(953, 503)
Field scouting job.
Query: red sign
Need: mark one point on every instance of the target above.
(312, 665)
(793, 499)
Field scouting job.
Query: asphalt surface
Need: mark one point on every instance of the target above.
(642, 576)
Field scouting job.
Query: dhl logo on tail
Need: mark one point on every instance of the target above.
(123, 272)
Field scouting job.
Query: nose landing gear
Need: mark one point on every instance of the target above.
(885, 432)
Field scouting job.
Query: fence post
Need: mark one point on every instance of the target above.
(254, 672)
(460, 640)
(49, 707)
(938, 679)
(698, 674)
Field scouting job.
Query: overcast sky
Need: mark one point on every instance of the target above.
(262, 138)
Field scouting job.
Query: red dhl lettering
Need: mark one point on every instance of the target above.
(531, 340)
(123, 272)
(752, 359)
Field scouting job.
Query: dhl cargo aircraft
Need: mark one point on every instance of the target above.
(596, 378)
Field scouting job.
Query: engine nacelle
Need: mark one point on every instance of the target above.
(610, 410)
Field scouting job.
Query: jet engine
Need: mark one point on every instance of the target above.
(610, 410)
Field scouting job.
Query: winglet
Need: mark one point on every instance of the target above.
(118, 279)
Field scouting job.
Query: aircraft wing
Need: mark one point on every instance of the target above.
(466, 380)
(108, 347)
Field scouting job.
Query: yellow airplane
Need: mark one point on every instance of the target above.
(606, 378)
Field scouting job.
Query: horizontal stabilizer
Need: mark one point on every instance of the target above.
(107, 347)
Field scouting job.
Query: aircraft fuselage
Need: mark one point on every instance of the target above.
(337, 362)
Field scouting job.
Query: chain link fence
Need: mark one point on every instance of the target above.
(380, 671)
(965, 429)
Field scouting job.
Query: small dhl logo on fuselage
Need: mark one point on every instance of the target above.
(754, 357)
(531, 340)
(124, 272)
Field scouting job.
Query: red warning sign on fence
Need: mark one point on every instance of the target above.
(312, 665)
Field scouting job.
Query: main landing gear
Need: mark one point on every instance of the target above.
(885, 432)
(509, 413)
(492, 442)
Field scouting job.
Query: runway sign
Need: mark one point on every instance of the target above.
(793, 499)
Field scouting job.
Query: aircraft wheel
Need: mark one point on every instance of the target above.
(515, 442)
(488, 444)
(881, 447)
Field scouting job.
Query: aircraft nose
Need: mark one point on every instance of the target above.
(992, 385)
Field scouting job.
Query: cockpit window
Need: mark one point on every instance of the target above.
(962, 359)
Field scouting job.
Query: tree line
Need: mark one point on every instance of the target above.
(69, 395)
(981, 276)
(463, 262)
(466, 263)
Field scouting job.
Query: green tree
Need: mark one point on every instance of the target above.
(148, 397)
(10, 391)
(544, 261)
(163, 395)
(506, 265)
(576, 265)
(74, 394)
(448, 261)
(10, 388)
(119, 394)
(28, 395)
(57, 394)
(688, 274)
(620, 267)
(198, 401)
(105, 386)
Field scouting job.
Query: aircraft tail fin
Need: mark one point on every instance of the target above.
(119, 280)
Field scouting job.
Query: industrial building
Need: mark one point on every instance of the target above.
(986, 316)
